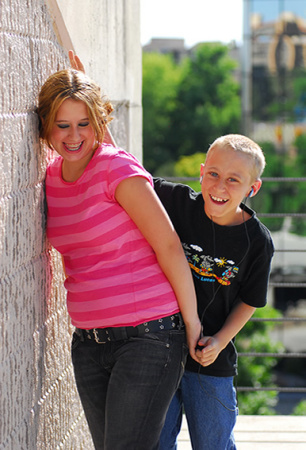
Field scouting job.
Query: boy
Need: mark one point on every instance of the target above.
(229, 252)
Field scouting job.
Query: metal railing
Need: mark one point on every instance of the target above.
(274, 284)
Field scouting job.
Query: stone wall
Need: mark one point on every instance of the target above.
(39, 406)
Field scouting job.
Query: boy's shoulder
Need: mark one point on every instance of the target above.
(257, 231)
(181, 202)
(179, 190)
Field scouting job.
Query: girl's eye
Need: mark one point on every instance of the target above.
(63, 126)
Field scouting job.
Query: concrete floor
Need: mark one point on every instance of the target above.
(262, 433)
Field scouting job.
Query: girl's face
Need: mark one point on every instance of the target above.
(72, 134)
(227, 179)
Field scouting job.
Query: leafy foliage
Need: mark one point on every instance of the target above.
(189, 166)
(283, 197)
(281, 96)
(256, 371)
(187, 105)
(208, 103)
(300, 409)
(159, 90)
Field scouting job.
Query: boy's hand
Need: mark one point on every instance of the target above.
(207, 350)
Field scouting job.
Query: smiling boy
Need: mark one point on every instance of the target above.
(229, 251)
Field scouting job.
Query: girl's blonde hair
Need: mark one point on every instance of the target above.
(75, 85)
(244, 145)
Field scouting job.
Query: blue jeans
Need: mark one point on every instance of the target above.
(211, 410)
(126, 387)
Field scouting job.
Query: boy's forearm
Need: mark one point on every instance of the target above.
(234, 323)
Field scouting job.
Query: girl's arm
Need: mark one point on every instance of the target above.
(140, 201)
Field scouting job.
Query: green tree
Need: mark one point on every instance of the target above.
(189, 166)
(256, 371)
(283, 197)
(300, 409)
(208, 102)
(159, 89)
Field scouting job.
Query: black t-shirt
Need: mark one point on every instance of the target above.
(228, 263)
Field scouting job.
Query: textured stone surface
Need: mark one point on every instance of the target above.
(39, 406)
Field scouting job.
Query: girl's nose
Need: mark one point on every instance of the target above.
(74, 133)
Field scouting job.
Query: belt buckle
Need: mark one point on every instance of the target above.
(96, 336)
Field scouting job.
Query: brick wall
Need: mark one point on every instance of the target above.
(39, 407)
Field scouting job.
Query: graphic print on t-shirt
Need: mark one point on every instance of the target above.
(208, 268)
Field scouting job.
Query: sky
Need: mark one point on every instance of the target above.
(193, 20)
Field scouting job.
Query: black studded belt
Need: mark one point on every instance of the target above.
(104, 335)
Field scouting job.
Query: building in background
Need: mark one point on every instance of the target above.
(175, 47)
(274, 59)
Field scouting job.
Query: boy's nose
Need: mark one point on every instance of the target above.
(220, 185)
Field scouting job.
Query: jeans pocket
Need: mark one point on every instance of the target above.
(160, 337)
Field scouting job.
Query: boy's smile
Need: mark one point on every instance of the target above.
(227, 179)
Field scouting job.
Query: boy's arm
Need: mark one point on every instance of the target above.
(213, 345)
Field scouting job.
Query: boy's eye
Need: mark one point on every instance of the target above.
(213, 174)
(233, 180)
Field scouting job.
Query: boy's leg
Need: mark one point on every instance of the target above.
(211, 410)
(172, 426)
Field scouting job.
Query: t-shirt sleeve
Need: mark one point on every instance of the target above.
(255, 286)
(165, 191)
(124, 165)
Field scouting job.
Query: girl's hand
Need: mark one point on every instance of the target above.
(75, 61)
(193, 331)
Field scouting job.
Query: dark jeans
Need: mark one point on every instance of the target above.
(126, 387)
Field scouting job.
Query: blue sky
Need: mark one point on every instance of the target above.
(271, 8)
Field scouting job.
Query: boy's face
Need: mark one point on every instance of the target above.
(227, 179)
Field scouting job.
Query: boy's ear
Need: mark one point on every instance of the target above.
(202, 169)
(254, 188)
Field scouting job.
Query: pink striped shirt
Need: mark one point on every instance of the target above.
(113, 277)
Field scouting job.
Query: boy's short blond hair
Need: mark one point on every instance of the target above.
(243, 144)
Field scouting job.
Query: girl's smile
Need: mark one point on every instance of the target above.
(73, 137)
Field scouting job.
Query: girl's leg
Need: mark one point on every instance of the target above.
(144, 378)
(92, 382)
